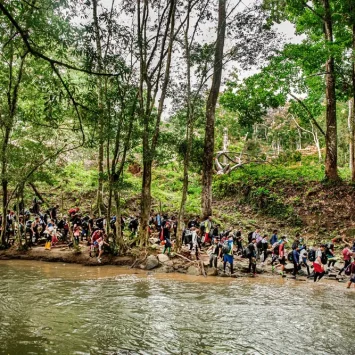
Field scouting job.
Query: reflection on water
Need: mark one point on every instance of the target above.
(71, 309)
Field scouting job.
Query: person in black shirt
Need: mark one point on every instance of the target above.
(237, 237)
(215, 250)
(54, 212)
(252, 256)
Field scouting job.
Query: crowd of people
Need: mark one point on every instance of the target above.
(35, 227)
(225, 245)
(229, 245)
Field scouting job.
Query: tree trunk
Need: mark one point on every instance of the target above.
(189, 135)
(207, 173)
(353, 110)
(109, 206)
(149, 150)
(145, 202)
(37, 193)
(119, 238)
(331, 171)
(185, 187)
(100, 159)
(351, 136)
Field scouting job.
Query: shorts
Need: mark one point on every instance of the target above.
(228, 258)
(282, 260)
(352, 279)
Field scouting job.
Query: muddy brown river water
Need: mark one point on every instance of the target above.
(53, 308)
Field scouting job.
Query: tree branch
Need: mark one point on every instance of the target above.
(309, 112)
(26, 39)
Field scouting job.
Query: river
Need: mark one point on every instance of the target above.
(52, 308)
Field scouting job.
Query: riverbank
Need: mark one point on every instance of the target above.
(154, 262)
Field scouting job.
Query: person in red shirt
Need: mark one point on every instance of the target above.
(282, 257)
(347, 253)
(94, 240)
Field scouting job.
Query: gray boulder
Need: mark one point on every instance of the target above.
(163, 258)
(193, 270)
(152, 262)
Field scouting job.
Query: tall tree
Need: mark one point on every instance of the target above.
(155, 50)
(207, 173)
(314, 18)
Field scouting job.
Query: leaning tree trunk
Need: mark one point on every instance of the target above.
(331, 171)
(207, 173)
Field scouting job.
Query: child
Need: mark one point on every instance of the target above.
(76, 233)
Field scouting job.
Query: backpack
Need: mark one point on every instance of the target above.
(312, 255)
(226, 247)
(324, 258)
(290, 257)
(250, 235)
(348, 270)
(275, 248)
(247, 252)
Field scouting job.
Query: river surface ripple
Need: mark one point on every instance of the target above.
(70, 309)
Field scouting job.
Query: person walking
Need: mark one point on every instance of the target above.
(346, 257)
(251, 249)
(318, 268)
(215, 252)
(296, 261)
(352, 275)
(274, 239)
(282, 257)
(228, 254)
(303, 259)
(264, 248)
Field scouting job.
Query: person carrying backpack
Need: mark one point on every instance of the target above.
(352, 274)
(274, 238)
(227, 249)
(215, 252)
(312, 254)
(318, 267)
(329, 251)
(274, 254)
(303, 258)
(237, 238)
(282, 256)
(296, 259)
(347, 258)
(251, 255)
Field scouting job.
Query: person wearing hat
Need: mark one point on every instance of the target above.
(215, 251)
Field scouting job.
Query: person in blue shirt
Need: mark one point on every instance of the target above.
(296, 260)
(228, 257)
(274, 237)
